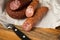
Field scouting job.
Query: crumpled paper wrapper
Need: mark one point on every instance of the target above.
(51, 20)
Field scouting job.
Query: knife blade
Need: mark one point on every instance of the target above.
(20, 34)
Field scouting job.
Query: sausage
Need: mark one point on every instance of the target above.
(18, 14)
(30, 22)
(16, 4)
(31, 8)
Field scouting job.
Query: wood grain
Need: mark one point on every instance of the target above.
(36, 34)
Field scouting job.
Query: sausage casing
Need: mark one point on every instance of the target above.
(31, 8)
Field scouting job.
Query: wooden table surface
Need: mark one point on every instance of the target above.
(36, 34)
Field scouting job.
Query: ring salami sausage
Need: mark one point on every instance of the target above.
(31, 8)
(30, 22)
(16, 4)
(17, 14)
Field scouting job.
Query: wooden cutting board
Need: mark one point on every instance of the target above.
(36, 34)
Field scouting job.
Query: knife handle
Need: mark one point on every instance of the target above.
(19, 33)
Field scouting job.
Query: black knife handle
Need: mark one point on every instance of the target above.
(19, 33)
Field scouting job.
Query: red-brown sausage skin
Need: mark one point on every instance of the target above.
(18, 14)
(19, 4)
(31, 8)
(30, 22)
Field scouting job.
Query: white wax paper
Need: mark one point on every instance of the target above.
(51, 20)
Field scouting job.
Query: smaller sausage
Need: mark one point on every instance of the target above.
(31, 8)
(16, 4)
(30, 22)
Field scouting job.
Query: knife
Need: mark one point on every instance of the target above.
(20, 34)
